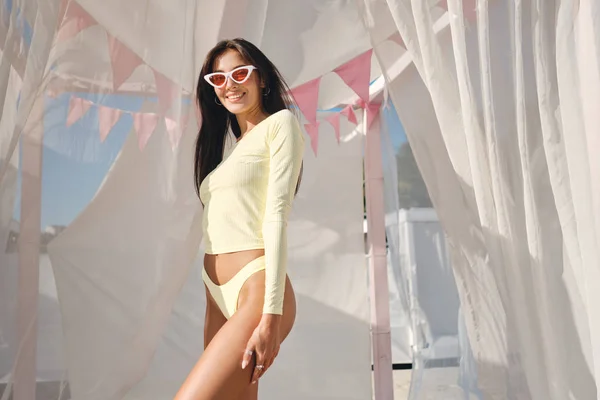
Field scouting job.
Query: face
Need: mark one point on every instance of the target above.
(238, 98)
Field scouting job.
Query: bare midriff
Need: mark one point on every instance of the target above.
(222, 267)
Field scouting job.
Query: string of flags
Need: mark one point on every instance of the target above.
(144, 123)
(355, 73)
(123, 62)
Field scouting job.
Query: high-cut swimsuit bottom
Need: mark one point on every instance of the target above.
(226, 295)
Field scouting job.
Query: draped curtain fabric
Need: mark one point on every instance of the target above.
(397, 279)
(26, 33)
(506, 138)
(115, 304)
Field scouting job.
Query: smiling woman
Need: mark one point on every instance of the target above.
(261, 92)
(244, 85)
(247, 197)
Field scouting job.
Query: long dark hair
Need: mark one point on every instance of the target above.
(216, 120)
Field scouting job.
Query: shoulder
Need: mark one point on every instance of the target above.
(284, 122)
(283, 117)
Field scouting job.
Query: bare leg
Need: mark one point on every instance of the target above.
(213, 319)
(218, 375)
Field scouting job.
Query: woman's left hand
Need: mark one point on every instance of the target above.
(264, 343)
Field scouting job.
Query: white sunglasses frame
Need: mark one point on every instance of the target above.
(228, 75)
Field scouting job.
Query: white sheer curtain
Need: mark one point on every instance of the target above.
(500, 105)
(397, 279)
(26, 32)
(113, 307)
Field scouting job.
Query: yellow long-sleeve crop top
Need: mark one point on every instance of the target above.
(247, 198)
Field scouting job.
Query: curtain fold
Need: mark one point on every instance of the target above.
(120, 307)
(505, 141)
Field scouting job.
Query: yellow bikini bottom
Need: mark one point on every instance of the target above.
(226, 295)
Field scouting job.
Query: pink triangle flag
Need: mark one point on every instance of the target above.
(357, 73)
(334, 120)
(175, 129)
(372, 111)
(313, 132)
(123, 61)
(75, 20)
(108, 118)
(349, 113)
(166, 91)
(77, 107)
(469, 8)
(307, 98)
(144, 124)
(396, 38)
(52, 93)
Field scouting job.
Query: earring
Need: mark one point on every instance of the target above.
(266, 93)
(217, 101)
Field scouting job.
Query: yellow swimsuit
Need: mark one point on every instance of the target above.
(247, 199)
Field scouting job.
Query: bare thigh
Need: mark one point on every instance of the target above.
(213, 318)
(218, 375)
(213, 322)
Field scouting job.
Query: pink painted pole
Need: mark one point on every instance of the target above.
(379, 291)
(29, 254)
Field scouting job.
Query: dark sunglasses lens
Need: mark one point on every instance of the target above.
(240, 74)
(217, 80)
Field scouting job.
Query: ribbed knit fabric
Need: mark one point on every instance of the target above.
(248, 197)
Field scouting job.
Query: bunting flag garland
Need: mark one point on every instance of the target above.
(144, 122)
(313, 132)
(372, 112)
(77, 108)
(349, 113)
(75, 20)
(166, 91)
(307, 98)
(396, 38)
(144, 125)
(357, 73)
(334, 120)
(175, 130)
(108, 118)
(123, 61)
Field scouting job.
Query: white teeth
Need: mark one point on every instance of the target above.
(235, 96)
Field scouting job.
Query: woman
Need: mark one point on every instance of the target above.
(247, 194)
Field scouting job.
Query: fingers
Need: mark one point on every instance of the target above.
(259, 369)
(247, 355)
(264, 360)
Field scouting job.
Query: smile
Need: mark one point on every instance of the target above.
(235, 97)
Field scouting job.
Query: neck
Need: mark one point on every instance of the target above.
(249, 120)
